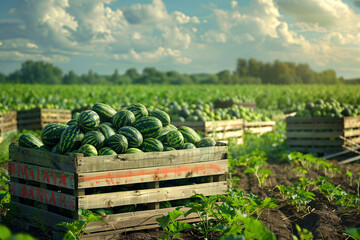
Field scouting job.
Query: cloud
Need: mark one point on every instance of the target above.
(357, 3)
(146, 13)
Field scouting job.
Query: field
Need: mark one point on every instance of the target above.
(275, 193)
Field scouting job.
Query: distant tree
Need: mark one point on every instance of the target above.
(241, 68)
(132, 73)
(115, 77)
(305, 73)
(2, 78)
(225, 77)
(212, 79)
(71, 78)
(14, 77)
(40, 72)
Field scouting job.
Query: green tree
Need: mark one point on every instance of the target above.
(71, 78)
(225, 77)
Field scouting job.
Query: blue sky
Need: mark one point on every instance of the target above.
(190, 36)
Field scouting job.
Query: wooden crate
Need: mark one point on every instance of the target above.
(219, 130)
(60, 184)
(8, 122)
(227, 104)
(283, 116)
(321, 134)
(259, 127)
(40, 117)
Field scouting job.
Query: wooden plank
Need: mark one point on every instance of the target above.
(42, 158)
(314, 127)
(49, 219)
(352, 122)
(314, 120)
(336, 154)
(133, 219)
(42, 175)
(131, 176)
(1, 139)
(259, 130)
(259, 124)
(315, 149)
(150, 159)
(43, 195)
(314, 142)
(351, 133)
(224, 125)
(150, 195)
(349, 160)
(225, 135)
(332, 134)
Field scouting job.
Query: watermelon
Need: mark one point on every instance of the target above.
(172, 127)
(45, 148)
(108, 124)
(51, 133)
(138, 110)
(88, 150)
(206, 142)
(88, 120)
(29, 141)
(106, 130)
(175, 139)
(75, 115)
(117, 142)
(56, 149)
(72, 122)
(188, 146)
(152, 145)
(167, 148)
(70, 139)
(189, 134)
(133, 136)
(133, 150)
(162, 135)
(123, 118)
(94, 138)
(161, 115)
(104, 111)
(106, 151)
(148, 126)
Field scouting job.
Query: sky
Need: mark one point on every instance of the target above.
(189, 36)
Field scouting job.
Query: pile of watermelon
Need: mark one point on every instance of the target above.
(103, 131)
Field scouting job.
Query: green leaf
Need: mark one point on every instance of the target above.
(164, 221)
(22, 236)
(353, 232)
(5, 232)
(180, 226)
(175, 214)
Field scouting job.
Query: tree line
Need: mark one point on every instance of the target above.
(249, 71)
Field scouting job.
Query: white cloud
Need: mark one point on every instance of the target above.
(157, 55)
(234, 4)
(31, 45)
(1, 43)
(146, 13)
(183, 60)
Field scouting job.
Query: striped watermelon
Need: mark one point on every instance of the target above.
(51, 133)
(148, 126)
(117, 142)
(109, 124)
(106, 151)
(94, 138)
(206, 142)
(162, 135)
(133, 136)
(138, 110)
(189, 134)
(72, 122)
(175, 139)
(56, 149)
(88, 120)
(123, 118)
(188, 146)
(133, 150)
(106, 130)
(45, 148)
(70, 139)
(104, 111)
(152, 145)
(29, 141)
(172, 127)
(161, 115)
(75, 115)
(88, 150)
(167, 148)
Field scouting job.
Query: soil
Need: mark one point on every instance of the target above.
(326, 220)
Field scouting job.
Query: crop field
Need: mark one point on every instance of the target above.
(273, 191)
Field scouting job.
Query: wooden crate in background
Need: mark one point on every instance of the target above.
(56, 186)
(259, 127)
(227, 104)
(8, 122)
(40, 117)
(219, 130)
(321, 134)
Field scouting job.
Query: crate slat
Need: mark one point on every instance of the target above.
(149, 195)
(131, 176)
(41, 174)
(53, 198)
(313, 134)
(352, 122)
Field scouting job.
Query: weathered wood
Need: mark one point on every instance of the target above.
(8, 122)
(49, 219)
(351, 133)
(227, 104)
(226, 135)
(349, 160)
(149, 195)
(133, 219)
(314, 142)
(352, 122)
(38, 118)
(41, 158)
(150, 159)
(131, 176)
(314, 120)
(333, 134)
(314, 127)
(312, 149)
(43, 195)
(42, 175)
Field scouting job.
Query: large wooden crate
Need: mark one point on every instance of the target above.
(59, 185)
(227, 104)
(321, 134)
(219, 130)
(259, 127)
(40, 117)
(8, 122)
